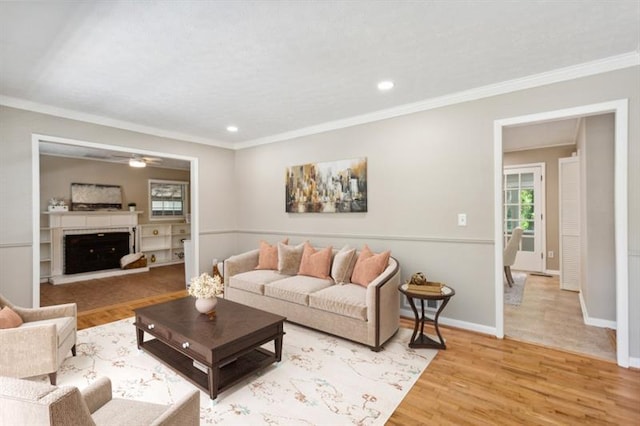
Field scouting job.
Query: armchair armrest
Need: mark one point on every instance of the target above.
(185, 411)
(33, 350)
(240, 263)
(97, 394)
(47, 312)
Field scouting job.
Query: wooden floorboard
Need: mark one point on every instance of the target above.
(482, 380)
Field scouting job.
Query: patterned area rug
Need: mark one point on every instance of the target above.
(321, 380)
(513, 295)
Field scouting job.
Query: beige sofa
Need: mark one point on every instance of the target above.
(368, 315)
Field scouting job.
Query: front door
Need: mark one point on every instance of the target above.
(523, 199)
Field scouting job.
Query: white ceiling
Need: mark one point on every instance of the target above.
(191, 68)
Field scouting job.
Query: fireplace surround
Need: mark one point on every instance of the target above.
(94, 252)
(75, 225)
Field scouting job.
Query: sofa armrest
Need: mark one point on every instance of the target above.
(97, 394)
(34, 350)
(240, 263)
(383, 302)
(184, 412)
(47, 312)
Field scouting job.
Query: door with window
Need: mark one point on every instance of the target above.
(523, 206)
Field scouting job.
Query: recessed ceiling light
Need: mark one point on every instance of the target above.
(232, 129)
(385, 85)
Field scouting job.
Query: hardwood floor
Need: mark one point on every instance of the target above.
(553, 317)
(483, 380)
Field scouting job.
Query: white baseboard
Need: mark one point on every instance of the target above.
(552, 272)
(595, 322)
(470, 326)
(634, 362)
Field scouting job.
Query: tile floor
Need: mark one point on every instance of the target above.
(553, 317)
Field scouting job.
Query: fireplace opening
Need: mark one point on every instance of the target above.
(94, 252)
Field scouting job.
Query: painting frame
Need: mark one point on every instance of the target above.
(338, 186)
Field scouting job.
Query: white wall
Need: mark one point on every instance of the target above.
(424, 168)
(217, 219)
(597, 225)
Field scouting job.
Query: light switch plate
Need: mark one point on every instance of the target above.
(462, 219)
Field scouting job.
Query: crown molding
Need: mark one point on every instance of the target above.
(105, 121)
(586, 69)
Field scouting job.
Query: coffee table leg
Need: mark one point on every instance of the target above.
(278, 343)
(214, 379)
(139, 337)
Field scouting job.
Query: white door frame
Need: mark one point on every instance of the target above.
(542, 205)
(620, 108)
(35, 193)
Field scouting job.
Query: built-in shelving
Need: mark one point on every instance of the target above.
(163, 243)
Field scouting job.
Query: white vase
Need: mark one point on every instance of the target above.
(204, 306)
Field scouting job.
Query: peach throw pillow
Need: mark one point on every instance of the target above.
(315, 263)
(268, 256)
(369, 266)
(9, 318)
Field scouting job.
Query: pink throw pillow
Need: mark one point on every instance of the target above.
(369, 266)
(9, 318)
(268, 256)
(315, 263)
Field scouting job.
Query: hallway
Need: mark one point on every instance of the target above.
(552, 317)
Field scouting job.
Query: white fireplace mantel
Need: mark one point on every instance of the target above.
(92, 219)
(62, 223)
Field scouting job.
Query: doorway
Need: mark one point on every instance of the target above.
(524, 206)
(36, 140)
(620, 110)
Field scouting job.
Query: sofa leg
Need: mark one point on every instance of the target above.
(52, 377)
(376, 348)
(73, 350)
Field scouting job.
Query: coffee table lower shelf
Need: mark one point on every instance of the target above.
(230, 373)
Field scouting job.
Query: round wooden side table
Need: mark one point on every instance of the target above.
(421, 340)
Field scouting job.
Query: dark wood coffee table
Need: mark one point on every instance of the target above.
(227, 346)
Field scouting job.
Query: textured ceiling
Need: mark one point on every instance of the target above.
(193, 68)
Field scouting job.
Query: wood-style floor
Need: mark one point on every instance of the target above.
(483, 380)
(553, 317)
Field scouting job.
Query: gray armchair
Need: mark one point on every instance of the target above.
(23, 402)
(41, 343)
(510, 251)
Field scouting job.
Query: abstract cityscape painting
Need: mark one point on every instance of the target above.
(329, 187)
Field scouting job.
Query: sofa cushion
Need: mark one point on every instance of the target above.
(254, 281)
(289, 258)
(369, 266)
(348, 300)
(64, 326)
(9, 318)
(268, 256)
(296, 289)
(315, 263)
(343, 263)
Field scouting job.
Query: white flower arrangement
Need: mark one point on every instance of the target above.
(205, 286)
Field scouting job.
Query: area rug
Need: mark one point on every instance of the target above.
(513, 295)
(322, 380)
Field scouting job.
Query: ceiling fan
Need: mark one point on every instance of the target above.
(136, 160)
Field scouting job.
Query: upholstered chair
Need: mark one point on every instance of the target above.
(510, 252)
(24, 402)
(38, 339)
